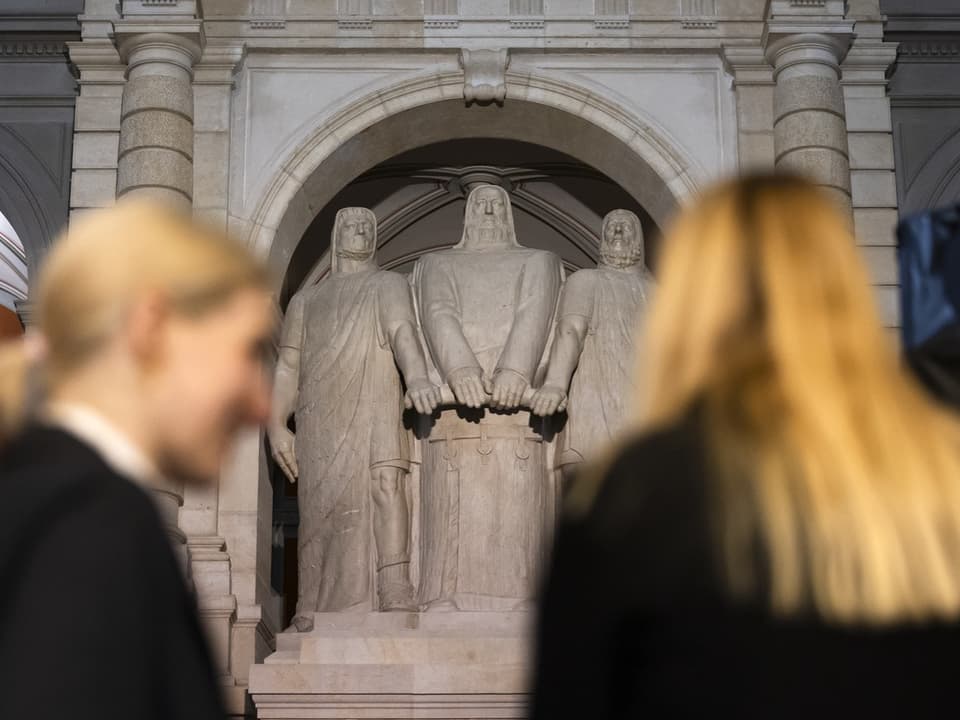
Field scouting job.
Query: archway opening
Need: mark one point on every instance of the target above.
(418, 197)
(630, 155)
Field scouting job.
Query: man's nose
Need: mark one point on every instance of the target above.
(362, 229)
(488, 207)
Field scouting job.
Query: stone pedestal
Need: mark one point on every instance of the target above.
(398, 665)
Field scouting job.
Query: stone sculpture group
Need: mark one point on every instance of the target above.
(491, 345)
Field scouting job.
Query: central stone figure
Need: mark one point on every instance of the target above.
(486, 307)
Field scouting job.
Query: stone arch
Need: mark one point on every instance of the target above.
(423, 109)
(936, 181)
(32, 195)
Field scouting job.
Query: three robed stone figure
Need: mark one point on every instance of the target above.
(470, 334)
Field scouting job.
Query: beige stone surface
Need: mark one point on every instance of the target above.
(158, 92)
(211, 164)
(826, 165)
(92, 150)
(888, 302)
(157, 128)
(97, 113)
(882, 264)
(812, 92)
(155, 166)
(452, 665)
(868, 114)
(811, 129)
(876, 226)
(874, 188)
(93, 188)
(870, 151)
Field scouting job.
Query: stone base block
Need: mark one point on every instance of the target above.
(398, 665)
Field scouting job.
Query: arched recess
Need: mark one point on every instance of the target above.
(937, 181)
(32, 190)
(418, 198)
(430, 109)
(422, 110)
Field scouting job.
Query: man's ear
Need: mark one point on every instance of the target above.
(146, 324)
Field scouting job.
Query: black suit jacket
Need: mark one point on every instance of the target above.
(95, 618)
(635, 622)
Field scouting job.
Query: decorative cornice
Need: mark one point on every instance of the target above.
(930, 48)
(355, 23)
(441, 23)
(808, 3)
(689, 23)
(611, 23)
(267, 23)
(33, 48)
(527, 23)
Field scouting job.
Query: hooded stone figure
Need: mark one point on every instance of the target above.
(595, 343)
(343, 339)
(486, 307)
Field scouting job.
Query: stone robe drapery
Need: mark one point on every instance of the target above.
(612, 300)
(485, 490)
(348, 421)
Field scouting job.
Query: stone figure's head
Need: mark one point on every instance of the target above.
(488, 221)
(355, 234)
(621, 239)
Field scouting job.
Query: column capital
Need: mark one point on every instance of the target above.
(790, 43)
(869, 62)
(97, 61)
(747, 64)
(218, 64)
(178, 43)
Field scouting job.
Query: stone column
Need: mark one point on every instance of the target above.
(156, 129)
(809, 122)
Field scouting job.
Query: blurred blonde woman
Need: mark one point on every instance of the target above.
(152, 358)
(780, 536)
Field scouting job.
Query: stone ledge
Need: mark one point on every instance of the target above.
(398, 665)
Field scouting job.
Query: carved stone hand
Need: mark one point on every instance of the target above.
(282, 444)
(507, 389)
(549, 400)
(422, 395)
(467, 386)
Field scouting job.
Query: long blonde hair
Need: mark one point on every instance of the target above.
(828, 455)
(94, 273)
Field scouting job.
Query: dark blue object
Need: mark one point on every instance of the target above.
(929, 255)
